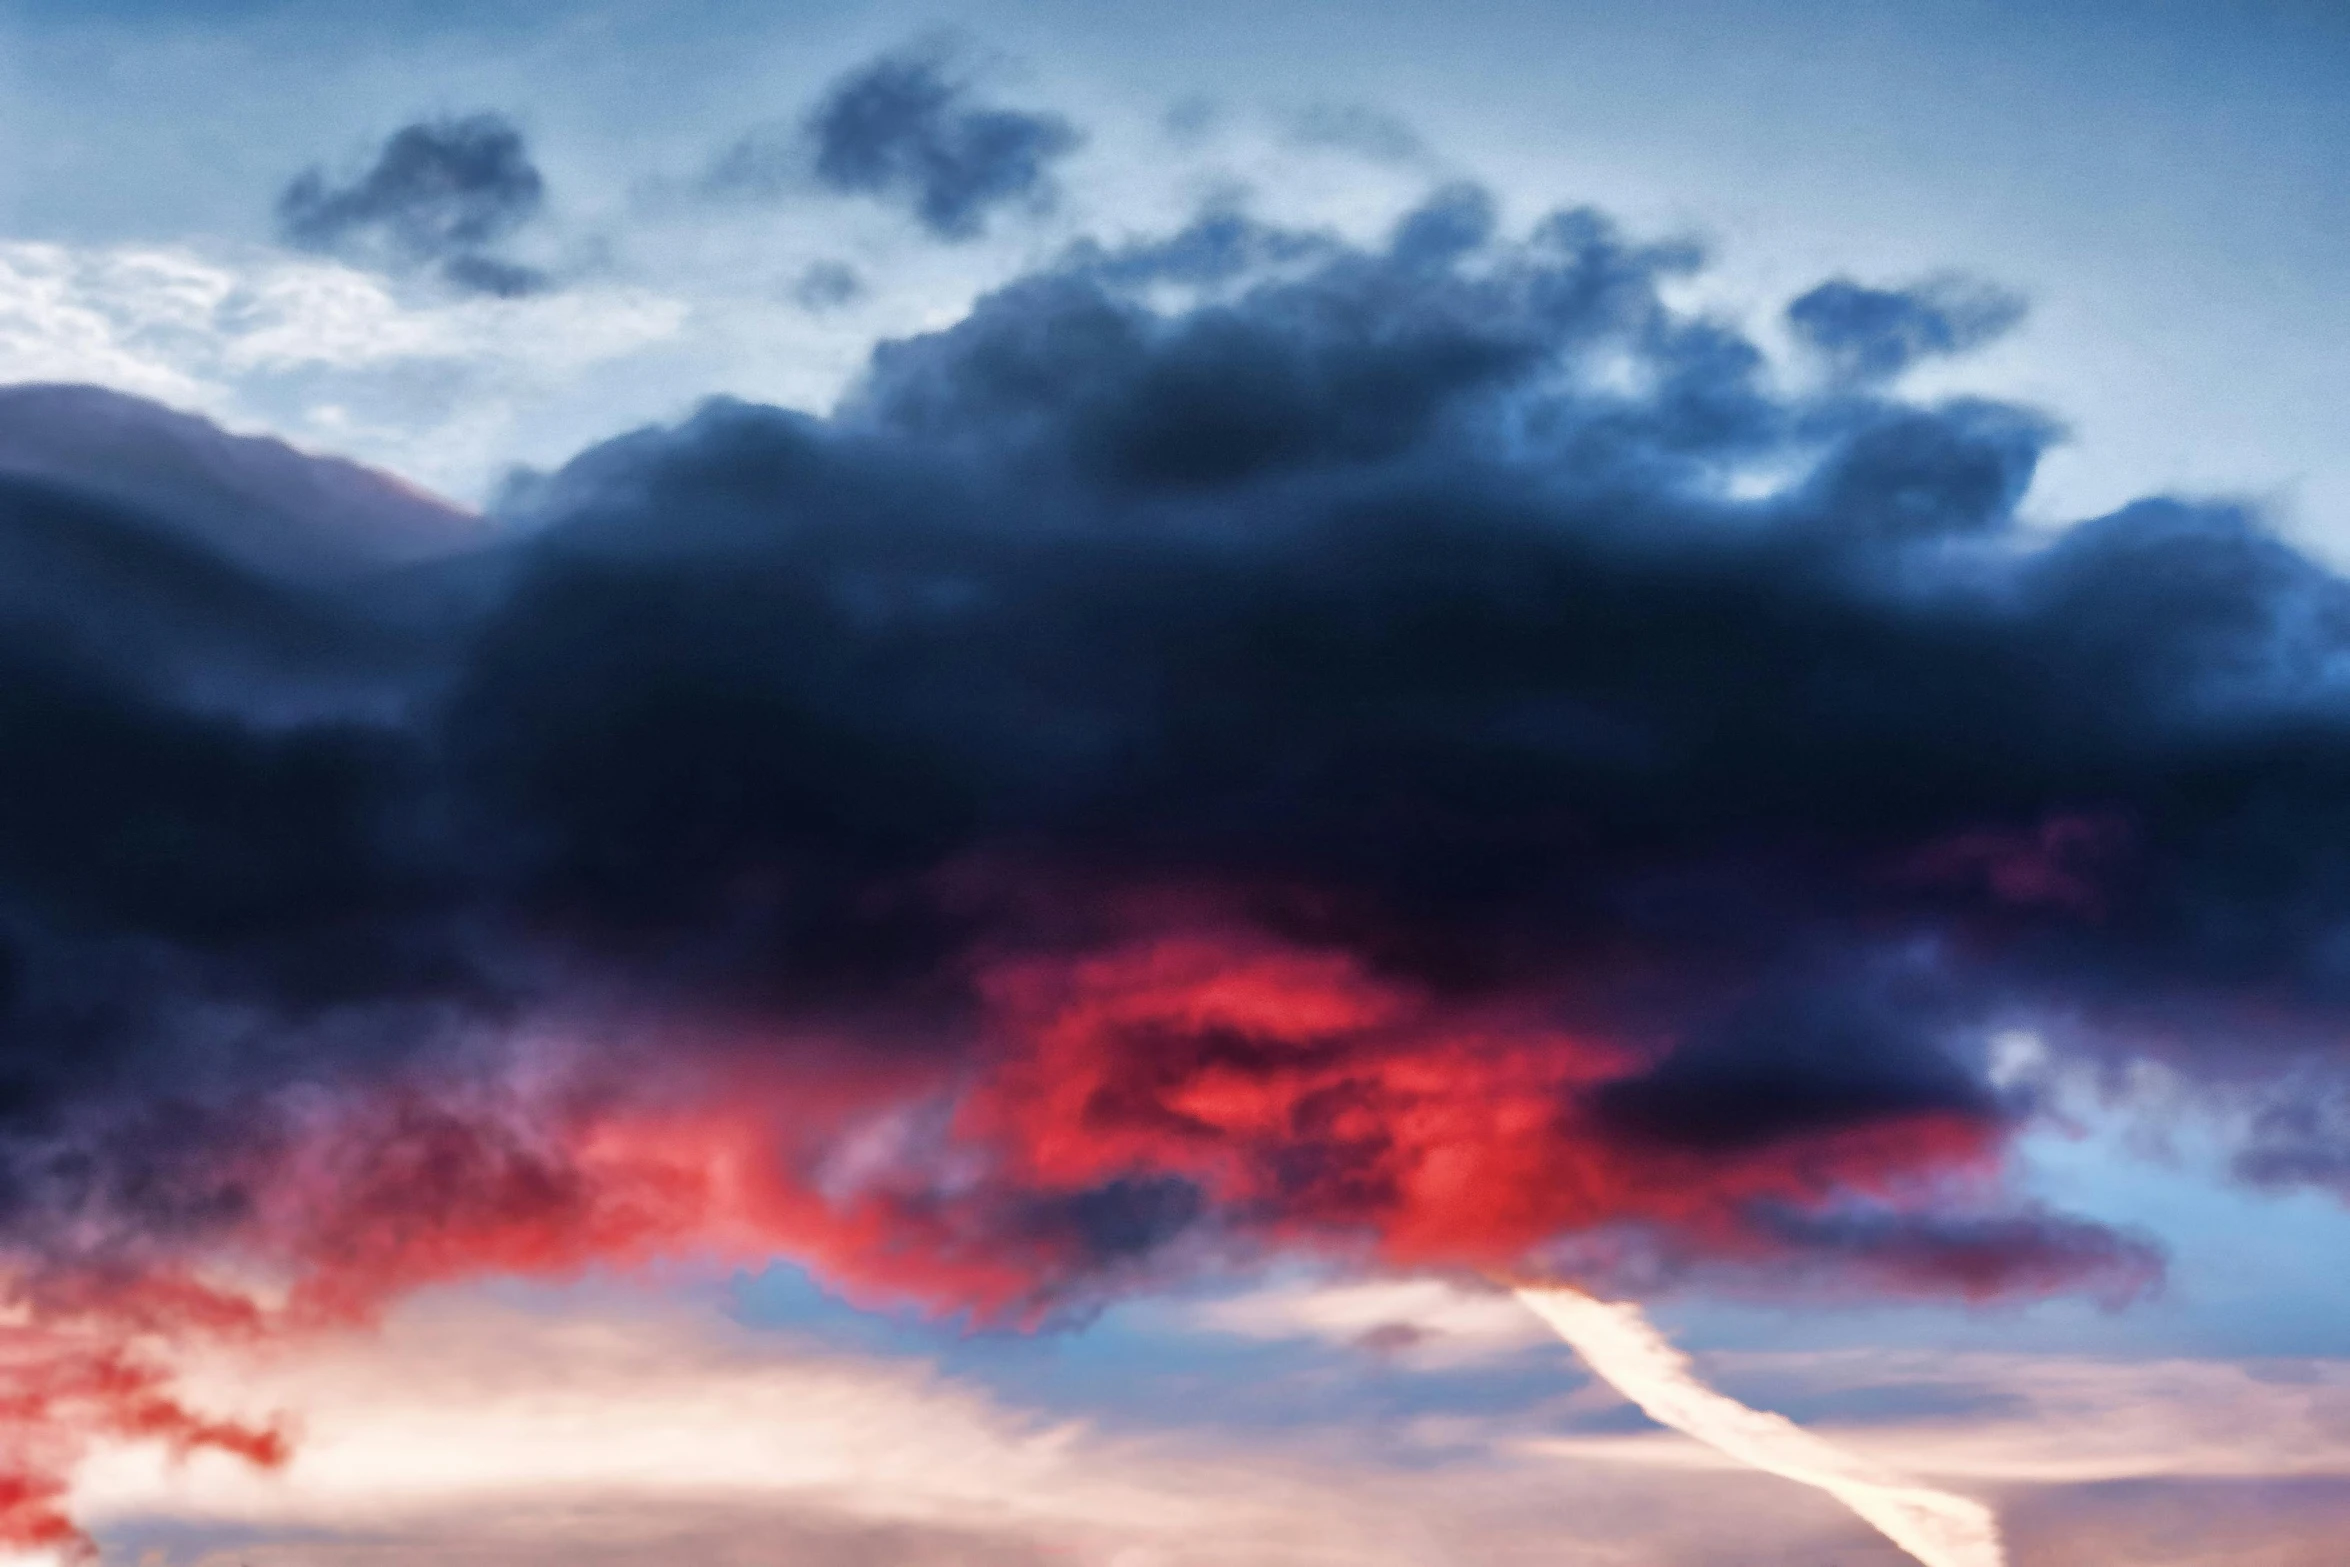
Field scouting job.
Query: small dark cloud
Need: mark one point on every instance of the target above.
(1872, 334)
(827, 285)
(440, 195)
(1975, 1255)
(903, 129)
(2300, 1136)
(488, 275)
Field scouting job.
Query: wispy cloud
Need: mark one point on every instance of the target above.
(2000, 1419)
(1428, 1321)
(616, 1430)
(1936, 1527)
(322, 351)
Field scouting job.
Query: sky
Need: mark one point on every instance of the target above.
(845, 784)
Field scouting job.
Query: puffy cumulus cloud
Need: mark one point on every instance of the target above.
(440, 193)
(1249, 743)
(906, 129)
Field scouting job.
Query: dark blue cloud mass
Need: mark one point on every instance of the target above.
(1359, 584)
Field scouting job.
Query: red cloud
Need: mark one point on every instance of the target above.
(1196, 1072)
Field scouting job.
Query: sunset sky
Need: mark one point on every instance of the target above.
(848, 785)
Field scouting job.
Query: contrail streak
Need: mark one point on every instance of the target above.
(1618, 1343)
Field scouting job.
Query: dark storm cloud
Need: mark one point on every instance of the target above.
(441, 193)
(204, 839)
(1869, 334)
(1367, 592)
(905, 130)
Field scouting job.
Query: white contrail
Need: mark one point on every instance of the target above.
(1617, 1342)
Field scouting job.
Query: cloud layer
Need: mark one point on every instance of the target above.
(603, 1429)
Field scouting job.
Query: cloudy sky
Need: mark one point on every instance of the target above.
(852, 785)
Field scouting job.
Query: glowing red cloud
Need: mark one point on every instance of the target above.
(78, 1368)
(1317, 1100)
(1307, 1100)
